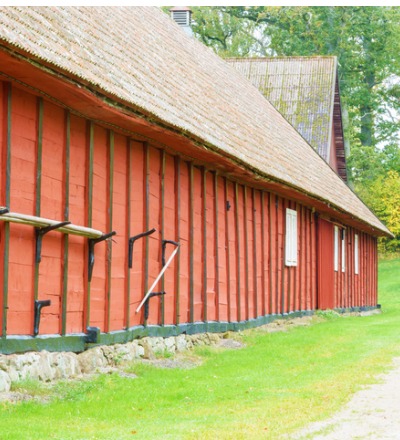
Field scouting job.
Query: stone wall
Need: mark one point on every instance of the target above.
(46, 366)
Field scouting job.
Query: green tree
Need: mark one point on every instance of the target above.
(366, 41)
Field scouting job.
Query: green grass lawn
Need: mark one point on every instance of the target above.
(274, 386)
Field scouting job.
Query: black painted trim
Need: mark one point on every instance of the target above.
(38, 189)
(76, 342)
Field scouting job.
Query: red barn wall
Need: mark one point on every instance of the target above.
(230, 266)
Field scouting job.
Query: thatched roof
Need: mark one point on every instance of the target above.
(303, 90)
(140, 57)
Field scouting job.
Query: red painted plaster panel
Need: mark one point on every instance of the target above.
(170, 234)
(198, 288)
(137, 205)
(119, 262)
(184, 240)
(98, 288)
(210, 260)
(77, 255)
(232, 253)
(23, 175)
(248, 251)
(325, 265)
(155, 239)
(51, 206)
(222, 252)
(259, 255)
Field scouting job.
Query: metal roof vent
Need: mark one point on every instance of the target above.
(182, 15)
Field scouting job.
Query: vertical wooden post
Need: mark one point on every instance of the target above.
(216, 222)
(162, 223)
(246, 253)
(191, 243)
(128, 232)
(178, 234)
(38, 183)
(146, 216)
(254, 253)
(204, 191)
(227, 253)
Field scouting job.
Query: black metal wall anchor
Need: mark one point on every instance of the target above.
(132, 240)
(39, 232)
(4, 211)
(92, 242)
(164, 245)
(38, 308)
(147, 305)
(92, 335)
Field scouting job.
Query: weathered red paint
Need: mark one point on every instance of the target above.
(247, 279)
(326, 298)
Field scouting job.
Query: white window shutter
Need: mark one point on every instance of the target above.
(336, 248)
(291, 238)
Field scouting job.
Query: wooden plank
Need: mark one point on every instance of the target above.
(191, 243)
(38, 188)
(90, 136)
(162, 224)
(129, 149)
(227, 247)
(254, 219)
(40, 222)
(216, 241)
(204, 219)
(146, 153)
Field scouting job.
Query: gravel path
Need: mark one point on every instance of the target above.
(372, 413)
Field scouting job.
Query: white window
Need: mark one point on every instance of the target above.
(336, 248)
(356, 255)
(343, 250)
(291, 238)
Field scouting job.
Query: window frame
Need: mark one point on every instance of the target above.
(336, 248)
(291, 238)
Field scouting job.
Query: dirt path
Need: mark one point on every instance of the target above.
(372, 413)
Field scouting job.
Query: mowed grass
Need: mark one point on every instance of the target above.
(277, 384)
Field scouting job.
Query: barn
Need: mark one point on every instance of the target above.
(129, 150)
(305, 90)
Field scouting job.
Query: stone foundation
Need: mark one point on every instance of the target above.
(46, 366)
